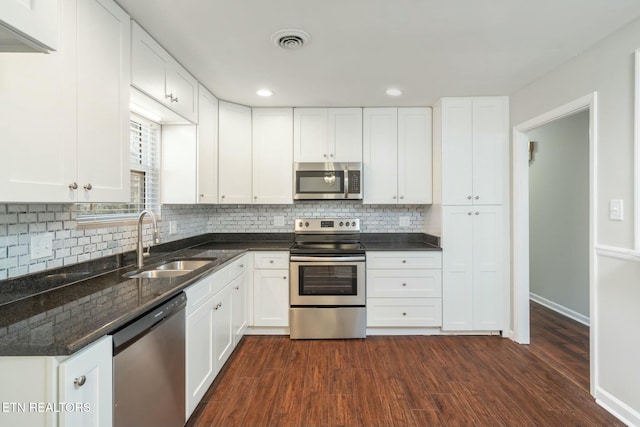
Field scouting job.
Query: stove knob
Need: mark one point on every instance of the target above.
(342, 223)
(300, 224)
(347, 224)
(306, 224)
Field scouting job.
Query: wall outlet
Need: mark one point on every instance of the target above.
(41, 246)
(405, 221)
(278, 221)
(173, 227)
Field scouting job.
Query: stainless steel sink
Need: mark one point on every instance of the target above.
(157, 274)
(174, 268)
(185, 264)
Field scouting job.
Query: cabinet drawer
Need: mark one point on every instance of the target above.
(237, 267)
(198, 293)
(414, 259)
(404, 283)
(392, 312)
(271, 260)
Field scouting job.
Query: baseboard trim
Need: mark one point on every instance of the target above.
(617, 408)
(567, 312)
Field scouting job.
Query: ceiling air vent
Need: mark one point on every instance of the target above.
(290, 39)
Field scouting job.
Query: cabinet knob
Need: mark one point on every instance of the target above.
(175, 99)
(404, 261)
(237, 288)
(395, 197)
(401, 197)
(284, 277)
(169, 96)
(330, 155)
(468, 213)
(477, 213)
(73, 186)
(201, 195)
(404, 284)
(468, 197)
(324, 155)
(222, 197)
(79, 382)
(404, 314)
(255, 197)
(88, 187)
(270, 261)
(477, 197)
(241, 265)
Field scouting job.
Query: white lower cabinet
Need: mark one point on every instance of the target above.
(474, 278)
(239, 312)
(271, 289)
(404, 289)
(59, 391)
(86, 381)
(211, 335)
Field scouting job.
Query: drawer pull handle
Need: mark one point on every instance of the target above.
(270, 261)
(404, 284)
(404, 261)
(404, 314)
(284, 277)
(79, 382)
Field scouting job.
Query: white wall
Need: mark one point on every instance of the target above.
(559, 213)
(608, 68)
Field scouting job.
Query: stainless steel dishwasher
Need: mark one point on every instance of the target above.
(149, 368)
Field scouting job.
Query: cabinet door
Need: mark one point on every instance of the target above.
(34, 22)
(457, 154)
(103, 81)
(414, 156)
(488, 265)
(38, 163)
(235, 153)
(86, 378)
(207, 147)
(380, 161)
(272, 155)
(310, 135)
(200, 358)
(148, 64)
(178, 169)
(222, 321)
(344, 137)
(271, 297)
(490, 150)
(457, 268)
(183, 88)
(239, 307)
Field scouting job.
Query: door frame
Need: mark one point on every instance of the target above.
(520, 222)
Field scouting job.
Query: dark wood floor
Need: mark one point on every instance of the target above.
(561, 342)
(399, 381)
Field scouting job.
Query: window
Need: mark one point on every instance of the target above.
(145, 189)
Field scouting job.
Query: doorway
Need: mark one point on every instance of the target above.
(521, 221)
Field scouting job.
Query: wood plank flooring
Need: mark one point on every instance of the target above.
(397, 381)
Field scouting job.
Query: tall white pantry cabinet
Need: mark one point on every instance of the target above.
(471, 147)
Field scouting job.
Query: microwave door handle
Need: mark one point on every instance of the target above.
(346, 183)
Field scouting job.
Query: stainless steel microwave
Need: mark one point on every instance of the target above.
(320, 181)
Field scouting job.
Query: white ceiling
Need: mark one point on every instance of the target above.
(359, 48)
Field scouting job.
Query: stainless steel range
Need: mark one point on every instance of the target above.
(327, 288)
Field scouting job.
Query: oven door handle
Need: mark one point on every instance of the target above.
(358, 258)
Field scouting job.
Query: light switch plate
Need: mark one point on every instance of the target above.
(278, 221)
(405, 221)
(616, 210)
(41, 246)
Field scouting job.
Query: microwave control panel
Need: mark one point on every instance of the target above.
(354, 182)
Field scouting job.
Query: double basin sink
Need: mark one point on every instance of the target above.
(174, 268)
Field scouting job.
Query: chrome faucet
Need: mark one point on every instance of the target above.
(156, 236)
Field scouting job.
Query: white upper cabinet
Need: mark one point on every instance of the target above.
(79, 96)
(397, 156)
(178, 170)
(474, 145)
(272, 155)
(327, 134)
(234, 148)
(155, 72)
(207, 147)
(28, 26)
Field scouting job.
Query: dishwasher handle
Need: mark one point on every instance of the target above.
(141, 326)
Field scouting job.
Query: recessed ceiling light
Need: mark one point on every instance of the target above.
(264, 92)
(394, 92)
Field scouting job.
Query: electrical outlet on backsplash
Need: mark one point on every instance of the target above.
(71, 245)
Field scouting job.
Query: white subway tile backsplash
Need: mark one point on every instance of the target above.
(71, 245)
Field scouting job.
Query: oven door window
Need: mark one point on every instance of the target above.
(328, 280)
(320, 182)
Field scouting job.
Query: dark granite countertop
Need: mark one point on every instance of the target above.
(400, 242)
(60, 311)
